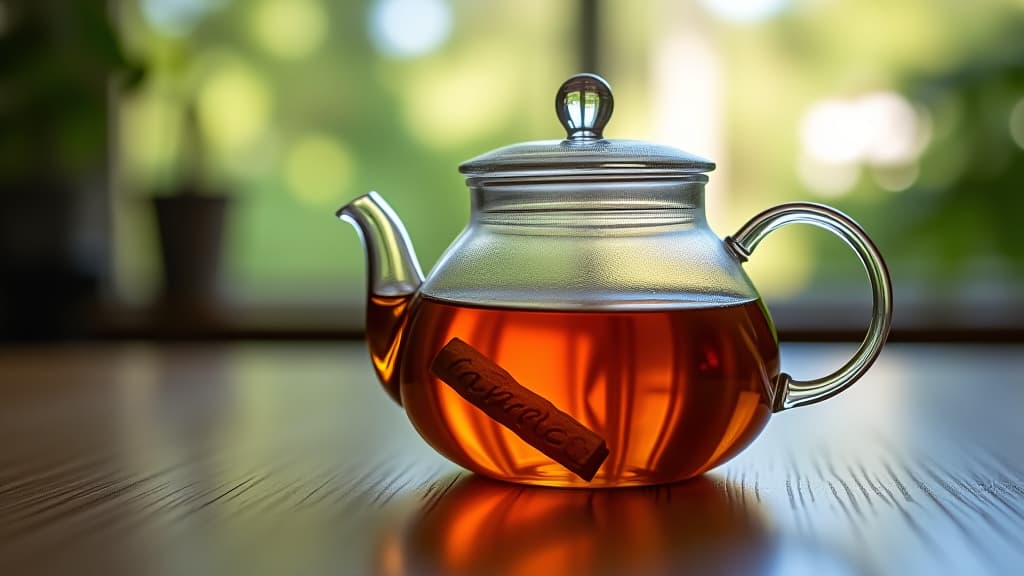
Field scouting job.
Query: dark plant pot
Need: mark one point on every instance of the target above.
(47, 284)
(191, 231)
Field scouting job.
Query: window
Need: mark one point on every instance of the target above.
(908, 115)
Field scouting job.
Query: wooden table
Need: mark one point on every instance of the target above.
(286, 458)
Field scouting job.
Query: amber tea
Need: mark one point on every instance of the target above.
(674, 392)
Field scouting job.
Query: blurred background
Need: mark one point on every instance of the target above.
(171, 167)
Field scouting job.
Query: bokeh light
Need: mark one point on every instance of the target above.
(745, 10)
(896, 133)
(444, 106)
(879, 129)
(289, 29)
(319, 170)
(895, 178)
(234, 106)
(405, 28)
(176, 17)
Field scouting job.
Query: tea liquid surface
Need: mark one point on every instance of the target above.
(673, 392)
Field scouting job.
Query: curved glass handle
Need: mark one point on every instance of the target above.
(790, 393)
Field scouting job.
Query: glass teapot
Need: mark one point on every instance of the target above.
(589, 273)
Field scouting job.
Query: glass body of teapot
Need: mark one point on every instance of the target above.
(589, 272)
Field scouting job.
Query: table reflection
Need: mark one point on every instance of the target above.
(480, 526)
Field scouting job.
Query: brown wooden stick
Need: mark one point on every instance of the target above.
(533, 418)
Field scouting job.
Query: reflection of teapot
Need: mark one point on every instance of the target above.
(588, 272)
(486, 527)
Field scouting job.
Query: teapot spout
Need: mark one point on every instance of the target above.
(394, 279)
(392, 268)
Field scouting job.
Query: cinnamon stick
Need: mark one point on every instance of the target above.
(533, 418)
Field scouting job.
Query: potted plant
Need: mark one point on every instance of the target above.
(190, 222)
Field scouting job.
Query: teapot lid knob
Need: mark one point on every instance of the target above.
(584, 104)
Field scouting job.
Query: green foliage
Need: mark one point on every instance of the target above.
(964, 213)
(56, 59)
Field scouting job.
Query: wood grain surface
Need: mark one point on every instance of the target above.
(289, 459)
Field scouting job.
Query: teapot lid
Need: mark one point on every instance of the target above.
(584, 105)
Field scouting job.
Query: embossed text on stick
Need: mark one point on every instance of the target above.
(531, 417)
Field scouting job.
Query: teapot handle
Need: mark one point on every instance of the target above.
(791, 393)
